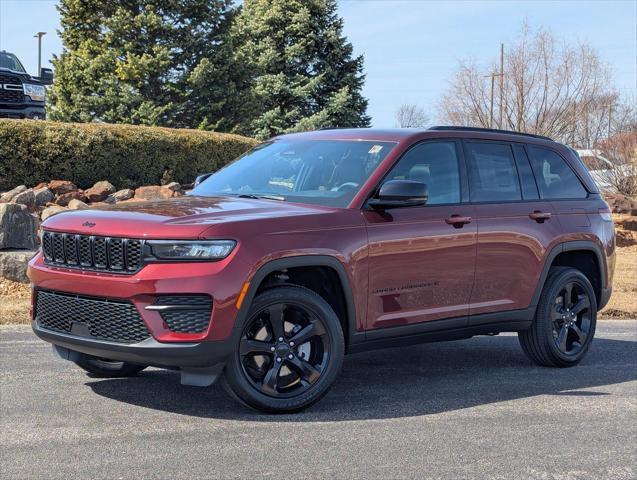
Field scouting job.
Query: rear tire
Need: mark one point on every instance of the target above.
(103, 368)
(290, 351)
(565, 320)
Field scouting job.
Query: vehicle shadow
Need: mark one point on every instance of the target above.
(419, 380)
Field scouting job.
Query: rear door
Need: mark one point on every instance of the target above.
(422, 259)
(515, 226)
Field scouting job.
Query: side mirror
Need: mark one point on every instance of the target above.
(400, 193)
(46, 76)
(201, 178)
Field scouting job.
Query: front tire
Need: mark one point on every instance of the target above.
(565, 320)
(290, 351)
(104, 368)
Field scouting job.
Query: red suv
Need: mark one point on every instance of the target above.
(318, 244)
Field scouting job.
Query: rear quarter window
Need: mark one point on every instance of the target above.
(555, 178)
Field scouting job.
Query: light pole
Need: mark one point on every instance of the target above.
(39, 36)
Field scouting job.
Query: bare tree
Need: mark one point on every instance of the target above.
(560, 90)
(410, 115)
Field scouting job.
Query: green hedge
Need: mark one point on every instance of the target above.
(126, 155)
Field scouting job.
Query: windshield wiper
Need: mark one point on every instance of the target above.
(266, 196)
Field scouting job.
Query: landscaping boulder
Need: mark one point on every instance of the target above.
(65, 198)
(124, 194)
(76, 204)
(99, 191)
(18, 228)
(154, 192)
(52, 210)
(43, 196)
(174, 186)
(8, 196)
(13, 264)
(60, 187)
(26, 198)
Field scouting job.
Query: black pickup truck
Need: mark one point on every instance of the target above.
(21, 95)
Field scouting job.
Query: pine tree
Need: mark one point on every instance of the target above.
(302, 74)
(142, 62)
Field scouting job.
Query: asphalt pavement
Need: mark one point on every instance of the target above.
(470, 409)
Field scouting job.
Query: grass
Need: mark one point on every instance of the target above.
(15, 297)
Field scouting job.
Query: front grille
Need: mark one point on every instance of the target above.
(97, 318)
(87, 252)
(11, 89)
(185, 313)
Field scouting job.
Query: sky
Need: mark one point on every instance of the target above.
(411, 47)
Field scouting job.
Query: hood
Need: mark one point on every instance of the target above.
(182, 217)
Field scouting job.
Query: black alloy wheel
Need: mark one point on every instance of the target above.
(289, 352)
(571, 318)
(565, 320)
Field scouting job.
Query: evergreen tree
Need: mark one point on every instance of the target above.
(300, 67)
(143, 62)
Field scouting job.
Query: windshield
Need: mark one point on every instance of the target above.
(10, 61)
(320, 172)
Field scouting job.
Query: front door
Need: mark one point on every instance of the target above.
(422, 259)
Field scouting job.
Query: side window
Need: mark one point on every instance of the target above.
(493, 176)
(433, 163)
(554, 177)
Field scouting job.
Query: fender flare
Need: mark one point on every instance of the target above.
(585, 245)
(304, 261)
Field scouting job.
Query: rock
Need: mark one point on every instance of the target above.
(99, 191)
(124, 194)
(13, 264)
(8, 196)
(25, 198)
(76, 204)
(65, 198)
(60, 187)
(109, 200)
(625, 238)
(43, 196)
(18, 228)
(41, 185)
(52, 210)
(154, 192)
(174, 186)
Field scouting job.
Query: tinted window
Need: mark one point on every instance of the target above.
(555, 179)
(320, 172)
(435, 164)
(492, 173)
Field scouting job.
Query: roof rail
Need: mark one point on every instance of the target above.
(492, 130)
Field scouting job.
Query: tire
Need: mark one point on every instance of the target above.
(565, 320)
(103, 368)
(284, 376)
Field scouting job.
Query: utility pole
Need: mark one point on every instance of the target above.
(493, 75)
(39, 36)
(501, 85)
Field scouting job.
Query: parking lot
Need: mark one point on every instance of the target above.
(470, 409)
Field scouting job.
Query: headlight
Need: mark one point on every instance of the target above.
(36, 92)
(191, 250)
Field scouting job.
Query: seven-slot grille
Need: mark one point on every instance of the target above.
(98, 318)
(87, 252)
(11, 89)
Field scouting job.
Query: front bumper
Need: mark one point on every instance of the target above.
(23, 111)
(148, 352)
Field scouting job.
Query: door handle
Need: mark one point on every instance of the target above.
(540, 216)
(457, 220)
